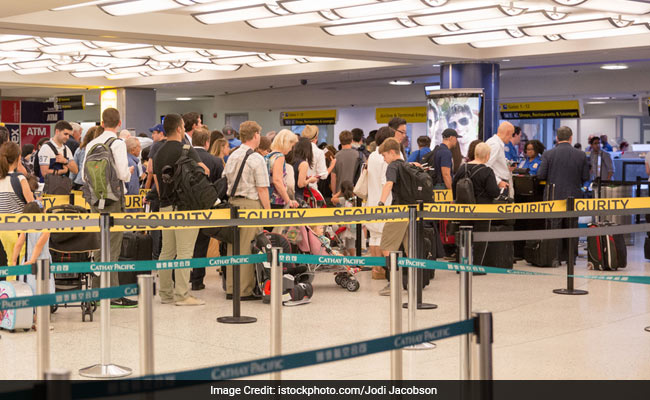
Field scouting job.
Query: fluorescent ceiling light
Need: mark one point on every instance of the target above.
(101, 61)
(19, 45)
(595, 102)
(630, 30)
(123, 76)
(89, 74)
(474, 14)
(240, 14)
(183, 98)
(321, 59)
(193, 55)
(614, 67)
(509, 42)
(457, 38)
(50, 41)
(237, 60)
(528, 18)
(365, 27)
(408, 32)
(401, 82)
(85, 4)
(200, 66)
(33, 71)
(432, 87)
(569, 27)
(387, 7)
(274, 63)
(8, 38)
(90, 104)
(302, 6)
(171, 71)
(226, 5)
(128, 70)
(286, 20)
(617, 6)
(230, 53)
(147, 51)
(78, 47)
(75, 67)
(35, 64)
(121, 8)
(20, 54)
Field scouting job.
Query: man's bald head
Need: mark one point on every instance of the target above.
(505, 131)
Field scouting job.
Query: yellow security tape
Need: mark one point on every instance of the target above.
(50, 201)
(474, 211)
(29, 218)
(141, 219)
(442, 196)
(611, 204)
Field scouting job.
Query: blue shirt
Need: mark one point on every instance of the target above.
(533, 165)
(512, 154)
(442, 158)
(133, 186)
(607, 147)
(416, 156)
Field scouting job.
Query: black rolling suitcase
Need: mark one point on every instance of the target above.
(136, 246)
(544, 253)
(607, 252)
(497, 254)
(646, 248)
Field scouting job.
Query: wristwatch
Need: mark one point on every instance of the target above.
(381, 203)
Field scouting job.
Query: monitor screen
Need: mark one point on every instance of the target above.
(459, 109)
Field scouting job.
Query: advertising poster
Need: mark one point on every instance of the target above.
(14, 132)
(33, 133)
(457, 109)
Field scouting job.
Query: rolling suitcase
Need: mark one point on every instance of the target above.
(544, 253)
(606, 253)
(17, 318)
(136, 246)
(497, 254)
(646, 248)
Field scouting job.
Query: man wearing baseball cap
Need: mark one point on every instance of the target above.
(319, 167)
(441, 159)
(231, 136)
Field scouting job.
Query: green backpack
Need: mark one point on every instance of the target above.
(101, 184)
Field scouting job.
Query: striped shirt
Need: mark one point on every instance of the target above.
(10, 203)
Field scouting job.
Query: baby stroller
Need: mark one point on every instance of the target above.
(297, 280)
(306, 240)
(73, 247)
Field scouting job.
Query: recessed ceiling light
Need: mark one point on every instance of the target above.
(183, 98)
(506, 60)
(436, 65)
(614, 67)
(595, 102)
(90, 104)
(401, 82)
(601, 98)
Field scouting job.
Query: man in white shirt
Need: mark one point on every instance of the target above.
(319, 167)
(111, 123)
(55, 157)
(498, 161)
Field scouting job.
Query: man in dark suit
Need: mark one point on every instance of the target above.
(201, 142)
(567, 168)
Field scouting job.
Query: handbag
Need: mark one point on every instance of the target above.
(361, 187)
(227, 233)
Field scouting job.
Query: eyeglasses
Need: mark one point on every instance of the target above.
(402, 132)
(454, 124)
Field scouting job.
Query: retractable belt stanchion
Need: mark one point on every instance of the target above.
(420, 272)
(571, 258)
(58, 386)
(42, 319)
(484, 339)
(413, 281)
(236, 317)
(396, 369)
(647, 328)
(359, 238)
(465, 248)
(105, 369)
(276, 306)
(145, 304)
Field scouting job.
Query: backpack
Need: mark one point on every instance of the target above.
(101, 184)
(465, 187)
(413, 184)
(358, 167)
(429, 160)
(16, 186)
(191, 187)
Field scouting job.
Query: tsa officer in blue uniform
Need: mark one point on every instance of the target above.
(534, 150)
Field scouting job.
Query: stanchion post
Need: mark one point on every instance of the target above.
(421, 254)
(105, 369)
(396, 368)
(58, 385)
(276, 307)
(412, 304)
(359, 237)
(236, 317)
(145, 304)
(484, 339)
(42, 319)
(465, 248)
(570, 204)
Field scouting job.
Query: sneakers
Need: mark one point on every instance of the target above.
(198, 286)
(385, 291)
(190, 301)
(166, 301)
(123, 302)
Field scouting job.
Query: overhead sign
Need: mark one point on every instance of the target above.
(71, 102)
(310, 117)
(410, 114)
(32, 133)
(541, 109)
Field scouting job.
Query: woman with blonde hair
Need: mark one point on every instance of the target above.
(282, 144)
(220, 149)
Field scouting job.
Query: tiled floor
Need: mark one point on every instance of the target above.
(538, 334)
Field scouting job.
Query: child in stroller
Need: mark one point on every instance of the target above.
(297, 280)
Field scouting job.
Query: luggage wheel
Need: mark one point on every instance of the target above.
(87, 308)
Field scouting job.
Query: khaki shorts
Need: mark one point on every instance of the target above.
(394, 234)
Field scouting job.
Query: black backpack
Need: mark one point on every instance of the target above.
(465, 186)
(191, 187)
(413, 184)
(358, 167)
(431, 169)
